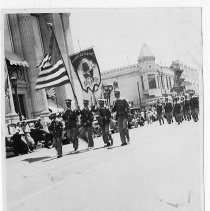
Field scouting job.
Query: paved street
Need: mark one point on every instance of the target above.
(161, 170)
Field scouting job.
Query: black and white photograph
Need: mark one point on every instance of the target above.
(102, 109)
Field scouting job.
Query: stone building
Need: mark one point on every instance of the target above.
(26, 39)
(154, 81)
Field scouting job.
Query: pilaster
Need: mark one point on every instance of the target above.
(39, 100)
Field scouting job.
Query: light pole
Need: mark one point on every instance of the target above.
(139, 95)
(14, 86)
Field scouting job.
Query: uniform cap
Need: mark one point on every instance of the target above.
(85, 101)
(68, 100)
(116, 91)
(53, 114)
(101, 100)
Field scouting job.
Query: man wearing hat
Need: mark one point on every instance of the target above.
(159, 109)
(86, 122)
(177, 110)
(194, 105)
(186, 108)
(168, 110)
(56, 129)
(103, 121)
(121, 108)
(71, 118)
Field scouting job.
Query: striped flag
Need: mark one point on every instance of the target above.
(52, 71)
(51, 93)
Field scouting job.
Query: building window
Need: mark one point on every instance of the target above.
(152, 82)
(142, 82)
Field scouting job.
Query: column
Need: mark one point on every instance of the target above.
(39, 100)
(10, 114)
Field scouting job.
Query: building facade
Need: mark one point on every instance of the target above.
(142, 83)
(26, 39)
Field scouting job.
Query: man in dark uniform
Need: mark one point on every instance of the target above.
(103, 121)
(71, 118)
(186, 109)
(121, 108)
(168, 111)
(56, 129)
(86, 123)
(194, 105)
(159, 108)
(177, 110)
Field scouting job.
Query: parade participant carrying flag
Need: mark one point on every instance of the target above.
(53, 72)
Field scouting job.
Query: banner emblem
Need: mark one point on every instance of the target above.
(87, 70)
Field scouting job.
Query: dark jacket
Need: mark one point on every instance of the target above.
(104, 116)
(168, 107)
(186, 106)
(86, 117)
(177, 108)
(70, 117)
(159, 108)
(121, 108)
(194, 103)
(56, 128)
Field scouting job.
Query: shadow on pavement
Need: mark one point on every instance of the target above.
(113, 147)
(31, 160)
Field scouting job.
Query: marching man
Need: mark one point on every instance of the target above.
(71, 118)
(86, 122)
(121, 108)
(56, 129)
(104, 121)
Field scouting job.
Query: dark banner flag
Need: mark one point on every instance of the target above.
(87, 70)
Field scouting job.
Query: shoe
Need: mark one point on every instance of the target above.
(75, 149)
(123, 144)
(59, 156)
(107, 145)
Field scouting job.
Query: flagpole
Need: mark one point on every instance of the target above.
(56, 99)
(75, 97)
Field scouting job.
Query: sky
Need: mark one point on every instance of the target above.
(117, 35)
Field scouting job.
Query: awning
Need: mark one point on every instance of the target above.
(15, 59)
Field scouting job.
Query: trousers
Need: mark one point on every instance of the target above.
(86, 134)
(123, 129)
(105, 133)
(72, 135)
(160, 118)
(169, 117)
(58, 145)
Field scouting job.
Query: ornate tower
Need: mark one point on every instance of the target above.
(146, 59)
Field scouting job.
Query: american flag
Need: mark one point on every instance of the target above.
(52, 71)
(51, 93)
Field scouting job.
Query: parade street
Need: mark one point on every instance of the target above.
(160, 170)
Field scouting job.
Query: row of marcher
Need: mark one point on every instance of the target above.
(78, 123)
(86, 117)
(181, 108)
